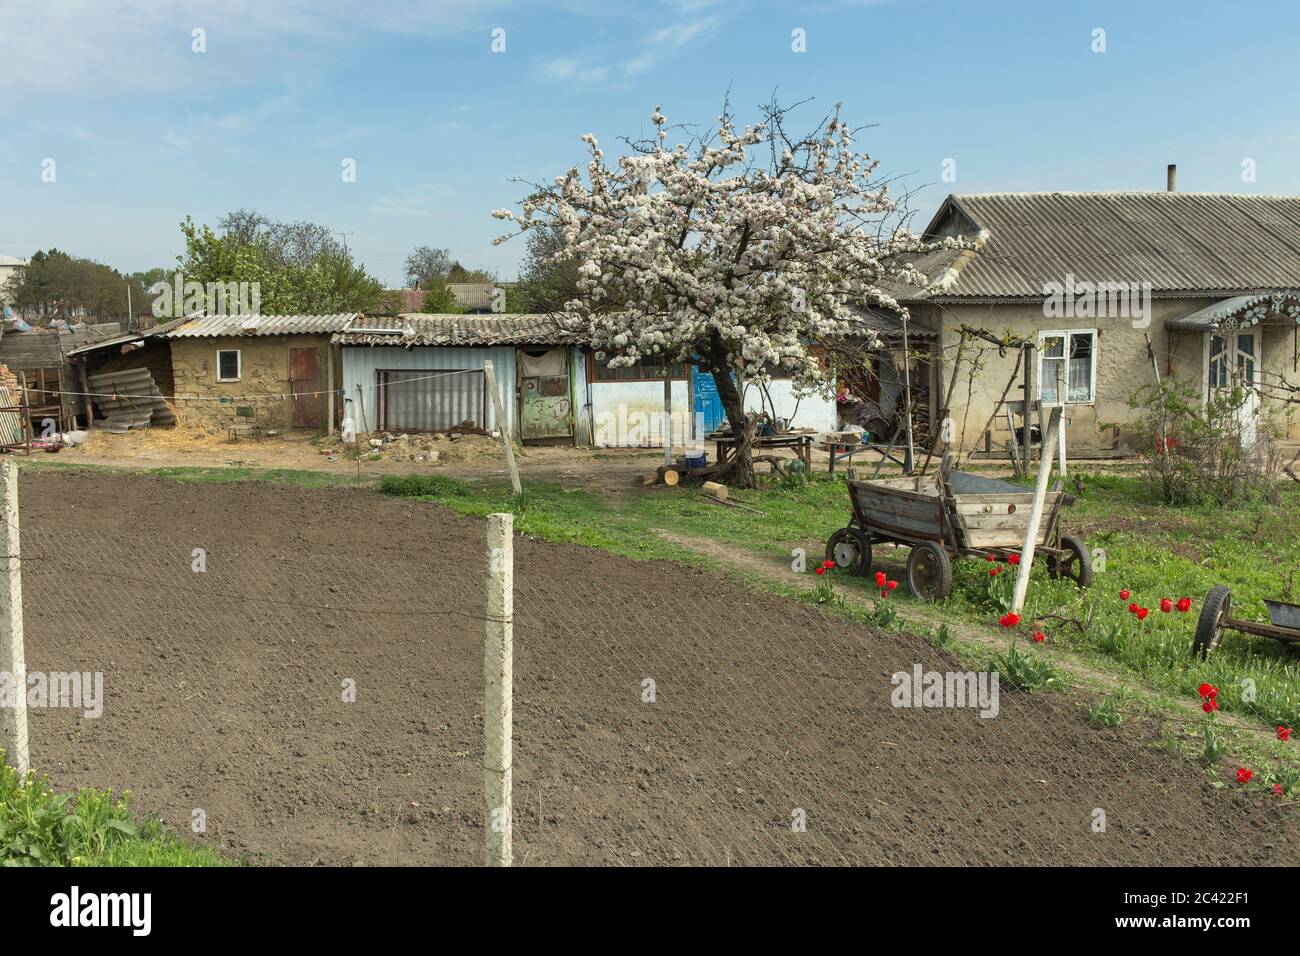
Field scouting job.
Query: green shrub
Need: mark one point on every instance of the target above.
(39, 827)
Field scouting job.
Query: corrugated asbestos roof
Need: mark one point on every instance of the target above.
(120, 340)
(129, 399)
(215, 326)
(415, 328)
(1178, 242)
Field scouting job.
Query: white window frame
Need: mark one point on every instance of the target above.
(239, 365)
(1065, 334)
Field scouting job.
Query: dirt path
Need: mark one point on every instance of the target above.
(313, 693)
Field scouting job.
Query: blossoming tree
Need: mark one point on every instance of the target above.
(733, 252)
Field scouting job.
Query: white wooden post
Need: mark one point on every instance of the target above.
(1060, 400)
(498, 407)
(1036, 513)
(668, 418)
(498, 680)
(13, 662)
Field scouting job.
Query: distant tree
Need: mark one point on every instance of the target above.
(439, 300)
(458, 273)
(427, 267)
(298, 267)
(56, 285)
(548, 276)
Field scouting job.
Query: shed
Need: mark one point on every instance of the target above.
(424, 372)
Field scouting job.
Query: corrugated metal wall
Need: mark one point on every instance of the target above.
(361, 362)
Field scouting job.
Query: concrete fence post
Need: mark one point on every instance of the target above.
(498, 681)
(13, 662)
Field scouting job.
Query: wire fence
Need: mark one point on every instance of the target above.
(300, 676)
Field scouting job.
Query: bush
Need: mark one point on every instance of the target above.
(1197, 452)
(41, 828)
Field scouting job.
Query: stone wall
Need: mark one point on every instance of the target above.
(262, 385)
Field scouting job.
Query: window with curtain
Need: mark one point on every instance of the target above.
(1073, 356)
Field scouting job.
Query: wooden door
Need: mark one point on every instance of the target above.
(305, 383)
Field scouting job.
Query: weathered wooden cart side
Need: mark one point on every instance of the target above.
(1216, 617)
(952, 515)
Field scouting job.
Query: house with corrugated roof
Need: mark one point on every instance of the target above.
(221, 371)
(1109, 290)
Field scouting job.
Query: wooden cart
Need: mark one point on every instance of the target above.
(952, 515)
(1216, 617)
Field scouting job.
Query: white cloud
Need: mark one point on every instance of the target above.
(93, 46)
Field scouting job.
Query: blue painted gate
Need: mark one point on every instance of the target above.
(709, 413)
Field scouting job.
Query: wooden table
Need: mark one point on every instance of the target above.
(798, 442)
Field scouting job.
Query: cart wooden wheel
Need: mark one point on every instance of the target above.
(850, 549)
(1214, 616)
(929, 572)
(1075, 564)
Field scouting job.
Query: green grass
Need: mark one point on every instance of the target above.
(39, 827)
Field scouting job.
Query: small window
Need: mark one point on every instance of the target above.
(228, 365)
(1072, 356)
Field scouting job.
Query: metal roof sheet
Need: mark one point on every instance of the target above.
(214, 326)
(1178, 242)
(416, 328)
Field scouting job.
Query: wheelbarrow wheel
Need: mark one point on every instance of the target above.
(929, 572)
(1214, 615)
(1075, 563)
(850, 550)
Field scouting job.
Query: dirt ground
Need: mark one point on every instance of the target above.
(224, 696)
(469, 456)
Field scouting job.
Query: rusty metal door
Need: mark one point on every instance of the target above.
(304, 382)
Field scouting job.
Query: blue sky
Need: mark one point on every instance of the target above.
(143, 130)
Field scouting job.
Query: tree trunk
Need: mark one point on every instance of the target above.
(740, 470)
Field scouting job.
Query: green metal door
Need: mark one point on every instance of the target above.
(545, 402)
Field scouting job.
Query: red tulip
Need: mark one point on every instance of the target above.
(1009, 620)
(1166, 605)
(891, 585)
(819, 570)
(990, 557)
(1244, 774)
(1184, 604)
(1142, 613)
(1039, 637)
(1277, 788)
(828, 565)
(1284, 733)
(1132, 608)
(1210, 705)
(1013, 559)
(995, 570)
(1124, 594)
(1208, 690)
(880, 578)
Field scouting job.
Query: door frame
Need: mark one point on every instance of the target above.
(293, 390)
(569, 373)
